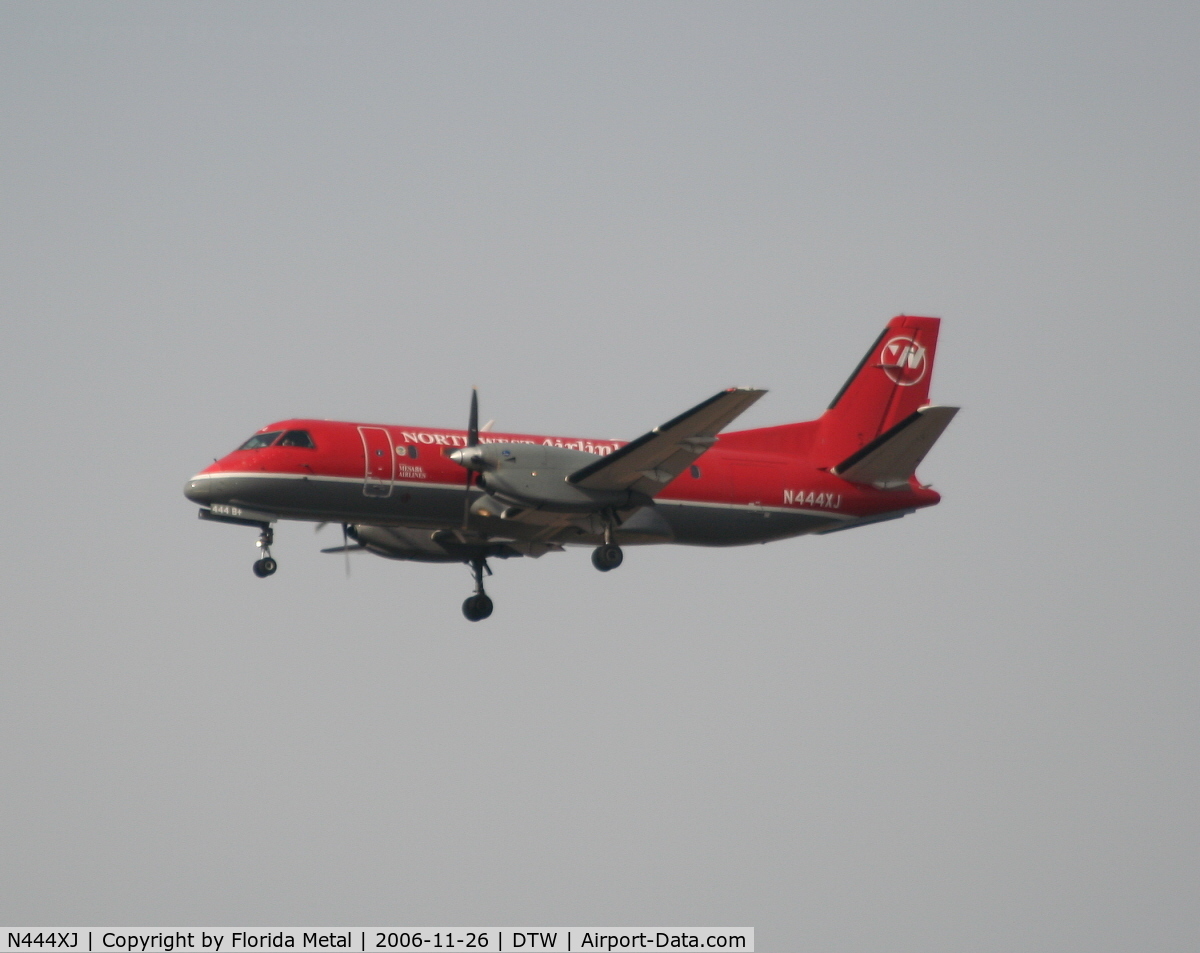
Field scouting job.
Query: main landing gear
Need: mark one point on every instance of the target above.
(478, 607)
(265, 566)
(608, 556)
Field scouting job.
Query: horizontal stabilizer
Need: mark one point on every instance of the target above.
(890, 460)
(658, 457)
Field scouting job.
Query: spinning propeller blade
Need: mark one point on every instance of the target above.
(473, 422)
(345, 547)
(472, 441)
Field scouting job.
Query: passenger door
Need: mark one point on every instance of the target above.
(380, 461)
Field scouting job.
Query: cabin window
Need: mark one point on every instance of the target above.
(403, 451)
(695, 471)
(298, 438)
(260, 440)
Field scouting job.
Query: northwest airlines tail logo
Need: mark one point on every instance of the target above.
(904, 361)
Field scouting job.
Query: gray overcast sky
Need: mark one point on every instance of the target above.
(973, 729)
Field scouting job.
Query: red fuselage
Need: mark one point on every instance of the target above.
(752, 486)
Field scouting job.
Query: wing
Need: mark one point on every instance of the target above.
(655, 459)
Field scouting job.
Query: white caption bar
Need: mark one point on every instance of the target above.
(373, 939)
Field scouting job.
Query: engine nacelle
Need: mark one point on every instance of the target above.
(535, 477)
(396, 542)
(399, 542)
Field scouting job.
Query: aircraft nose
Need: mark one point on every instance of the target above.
(197, 490)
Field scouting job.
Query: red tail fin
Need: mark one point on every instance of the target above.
(890, 382)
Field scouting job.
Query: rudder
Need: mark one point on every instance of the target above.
(890, 383)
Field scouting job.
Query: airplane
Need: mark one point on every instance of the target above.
(432, 494)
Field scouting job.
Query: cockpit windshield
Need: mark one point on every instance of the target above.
(298, 438)
(260, 440)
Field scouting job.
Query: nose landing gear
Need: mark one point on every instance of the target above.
(265, 566)
(478, 607)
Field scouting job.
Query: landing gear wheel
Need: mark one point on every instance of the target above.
(606, 557)
(265, 567)
(477, 608)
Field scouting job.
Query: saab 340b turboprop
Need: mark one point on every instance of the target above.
(437, 495)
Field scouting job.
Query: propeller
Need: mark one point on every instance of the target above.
(345, 547)
(472, 441)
